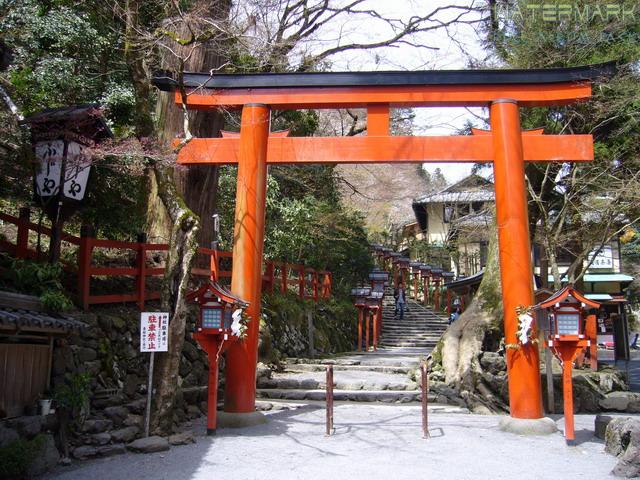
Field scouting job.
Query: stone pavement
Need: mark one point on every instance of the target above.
(370, 442)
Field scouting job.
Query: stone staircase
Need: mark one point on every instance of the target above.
(419, 330)
(389, 375)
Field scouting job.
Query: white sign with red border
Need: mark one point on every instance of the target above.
(154, 331)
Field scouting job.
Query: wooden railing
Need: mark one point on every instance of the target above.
(282, 277)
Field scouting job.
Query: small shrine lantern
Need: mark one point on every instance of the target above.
(379, 279)
(360, 295)
(568, 309)
(436, 278)
(219, 323)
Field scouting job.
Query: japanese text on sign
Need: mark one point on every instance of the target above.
(154, 331)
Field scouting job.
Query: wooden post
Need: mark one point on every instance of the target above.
(329, 399)
(367, 328)
(285, 281)
(374, 320)
(248, 247)
(270, 275)
(359, 329)
(84, 265)
(315, 286)
(22, 240)
(142, 267)
(425, 400)
(301, 281)
(147, 416)
(567, 394)
(525, 392)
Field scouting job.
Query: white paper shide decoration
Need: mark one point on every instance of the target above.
(524, 323)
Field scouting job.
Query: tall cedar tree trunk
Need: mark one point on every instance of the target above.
(183, 245)
(479, 328)
(196, 184)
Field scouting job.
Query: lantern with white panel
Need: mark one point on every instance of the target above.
(568, 309)
(220, 322)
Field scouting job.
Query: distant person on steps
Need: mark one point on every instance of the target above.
(400, 296)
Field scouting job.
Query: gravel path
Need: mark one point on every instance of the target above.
(370, 442)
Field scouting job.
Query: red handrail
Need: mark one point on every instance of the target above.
(310, 284)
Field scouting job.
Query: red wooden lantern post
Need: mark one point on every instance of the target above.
(360, 295)
(217, 328)
(415, 273)
(374, 307)
(425, 274)
(568, 309)
(379, 279)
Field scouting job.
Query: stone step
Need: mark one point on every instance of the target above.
(343, 380)
(303, 367)
(385, 396)
(276, 404)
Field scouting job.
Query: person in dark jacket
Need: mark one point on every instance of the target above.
(400, 296)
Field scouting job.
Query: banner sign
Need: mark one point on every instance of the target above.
(154, 331)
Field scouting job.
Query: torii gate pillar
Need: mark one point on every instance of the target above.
(248, 241)
(525, 396)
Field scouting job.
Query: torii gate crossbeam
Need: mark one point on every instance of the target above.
(506, 145)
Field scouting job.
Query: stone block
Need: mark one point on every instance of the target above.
(100, 438)
(601, 423)
(84, 452)
(133, 420)
(84, 354)
(28, 426)
(183, 438)
(111, 450)
(116, 414)
(149, 445)
(125, 434)
(97, 425)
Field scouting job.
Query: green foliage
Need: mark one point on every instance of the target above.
(285, 324)
(40, 279)
(115, 203)
(56, 301)
(73, 394)
(63, 52)
(306, 223)
(36, 278)
(16, 457)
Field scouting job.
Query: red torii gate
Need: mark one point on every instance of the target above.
(506, 145)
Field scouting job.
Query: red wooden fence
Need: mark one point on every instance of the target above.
(278, 276)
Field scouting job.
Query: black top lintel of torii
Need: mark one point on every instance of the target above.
(165, 80)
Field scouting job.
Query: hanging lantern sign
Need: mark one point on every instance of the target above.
(49, 155)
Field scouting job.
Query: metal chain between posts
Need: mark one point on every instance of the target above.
(425, 392)
(329, 400)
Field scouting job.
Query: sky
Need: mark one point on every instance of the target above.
(445, 54)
